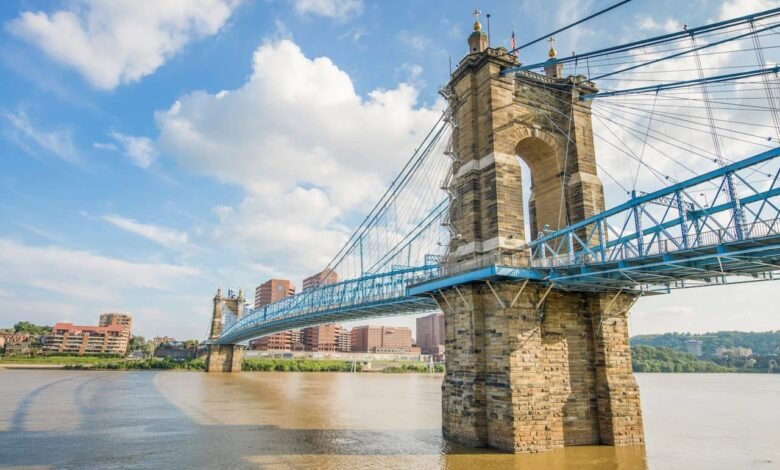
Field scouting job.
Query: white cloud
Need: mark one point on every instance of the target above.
(308, 150)
(105, 146)
(339, 9)
(737, 8)
(112, 42)
(81, 274)
(140, 150)
(648, 23)
(413, 72)
(57, 142)
(164, 236)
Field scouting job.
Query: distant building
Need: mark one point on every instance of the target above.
(175, 353)
(18, 348)
(11, 339)
(693, 346)
(322, 337)
(123, 319)
(297, 340)
(381, 339)
(320, 279)
(733, 352)
(159, 340)
(112, 336)
(282, 341)
(430, 333)
(274, 290)
(344, 344)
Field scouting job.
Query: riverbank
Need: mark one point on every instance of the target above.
(26, 366)
(248, 365)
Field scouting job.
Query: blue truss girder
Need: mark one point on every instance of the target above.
(369, 296)
(670, 224)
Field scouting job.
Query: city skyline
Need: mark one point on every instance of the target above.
(113, 202)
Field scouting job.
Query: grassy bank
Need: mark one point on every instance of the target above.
(151, 363)
(413, 368)
(57, 360)
(296, 365)
(248, 365)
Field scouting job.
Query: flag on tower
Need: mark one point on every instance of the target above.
(514, 43)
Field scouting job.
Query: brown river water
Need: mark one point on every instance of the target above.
(83, 419)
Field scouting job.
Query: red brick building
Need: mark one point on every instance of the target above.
(112, 336)
(381, 339)
(322, 337)
(272, 291)
(320, 279)
(430, 333)
(266, 293)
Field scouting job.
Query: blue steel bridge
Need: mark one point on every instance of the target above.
(686, 128)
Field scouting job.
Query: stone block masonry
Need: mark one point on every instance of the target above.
(224, 358)
(530, 367)
(523, 378)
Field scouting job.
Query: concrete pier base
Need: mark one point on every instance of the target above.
(224, 358)
(531, 373)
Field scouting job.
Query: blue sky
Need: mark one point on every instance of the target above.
(152, 151)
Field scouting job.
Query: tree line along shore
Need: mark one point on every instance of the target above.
(717, 352)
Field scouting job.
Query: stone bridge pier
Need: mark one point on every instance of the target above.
(530, 367)
(530, 370)
(224, 357)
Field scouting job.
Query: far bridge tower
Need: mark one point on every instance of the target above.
(225, 357)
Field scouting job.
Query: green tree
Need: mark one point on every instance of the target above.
(137, 343)
(652, 359)
(27, 327)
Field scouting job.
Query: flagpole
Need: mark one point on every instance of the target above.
(488, 21)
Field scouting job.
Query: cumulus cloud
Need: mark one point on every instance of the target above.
(339, 9)
(112, 42)
(164, 236)
(309, 151)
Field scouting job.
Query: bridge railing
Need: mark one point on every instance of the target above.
(713, 238)
(369, 290)
(674, 219)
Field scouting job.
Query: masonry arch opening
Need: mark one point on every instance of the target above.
(543, 166)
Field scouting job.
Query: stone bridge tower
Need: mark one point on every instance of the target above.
(225, 357)
(529, 367)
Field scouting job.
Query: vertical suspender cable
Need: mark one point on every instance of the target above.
(739, 217)
(770, 94)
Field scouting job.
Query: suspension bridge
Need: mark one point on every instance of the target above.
(686, 129)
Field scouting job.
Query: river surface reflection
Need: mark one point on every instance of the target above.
(82, 419)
